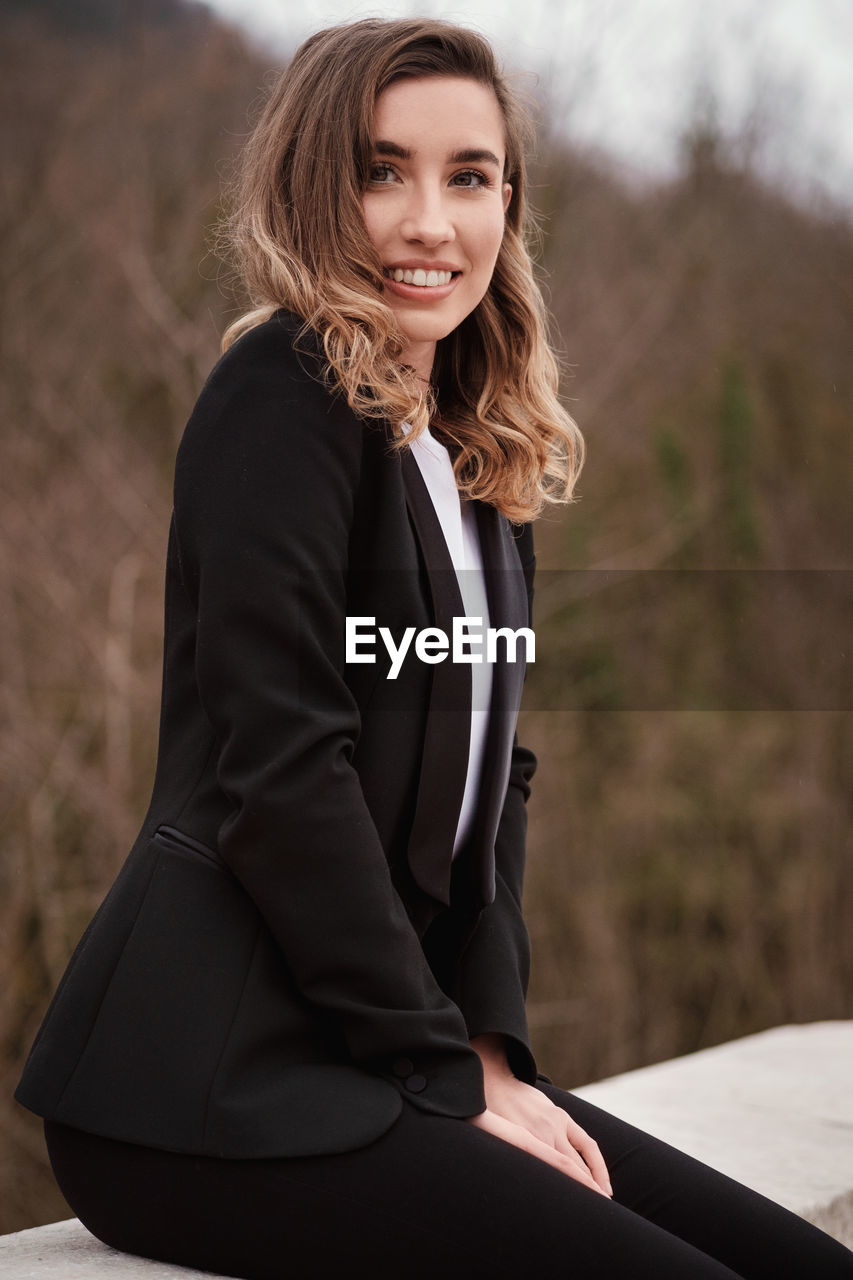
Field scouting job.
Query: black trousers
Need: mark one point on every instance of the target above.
(437, 1199)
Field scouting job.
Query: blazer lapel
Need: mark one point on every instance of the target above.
(507, 596)
(445, 755)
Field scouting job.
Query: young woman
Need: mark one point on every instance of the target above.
(292, 1040)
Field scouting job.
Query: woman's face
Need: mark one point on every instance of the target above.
(434, 204)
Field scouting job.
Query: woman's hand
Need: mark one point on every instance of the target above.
(521, 1115)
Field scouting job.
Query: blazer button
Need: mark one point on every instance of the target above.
(416, 1084)
(402, 1067)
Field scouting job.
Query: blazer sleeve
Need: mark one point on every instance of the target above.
(494, 968)
(264, 497)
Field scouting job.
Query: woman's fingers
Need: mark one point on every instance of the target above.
(560, 1140)
(591, 1153)
(570, 1164)
(573, 1142)
(528, 1110)
(558, 1130)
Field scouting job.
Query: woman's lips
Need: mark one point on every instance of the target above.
(416, 283)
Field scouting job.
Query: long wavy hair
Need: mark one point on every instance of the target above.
(298, 237)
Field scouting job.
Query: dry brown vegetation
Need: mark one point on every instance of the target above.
(690, 868)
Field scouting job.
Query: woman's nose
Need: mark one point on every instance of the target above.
(426, 219)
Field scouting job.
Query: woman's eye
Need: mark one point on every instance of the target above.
(470, 178)
(381, 174)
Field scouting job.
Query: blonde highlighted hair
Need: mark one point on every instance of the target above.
(298, 235)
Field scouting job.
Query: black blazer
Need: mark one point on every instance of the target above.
(286, 957)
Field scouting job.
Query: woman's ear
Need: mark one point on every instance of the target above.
(507, 194)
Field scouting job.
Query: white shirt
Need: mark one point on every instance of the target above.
(458, 522)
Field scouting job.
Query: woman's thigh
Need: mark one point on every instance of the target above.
(753, 1236)
(434, 1197)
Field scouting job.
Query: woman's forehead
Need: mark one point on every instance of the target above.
(428, 113)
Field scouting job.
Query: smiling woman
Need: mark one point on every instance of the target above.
(333, 202)
(293, 1038)
(436, 222)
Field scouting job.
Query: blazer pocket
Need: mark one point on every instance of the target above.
(164, 1020)
(193, 1035)
(172, 838)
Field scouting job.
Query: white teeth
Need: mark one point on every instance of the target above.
(428, 279)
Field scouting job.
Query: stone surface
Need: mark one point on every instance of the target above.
(66, 1251)
(774, 1111)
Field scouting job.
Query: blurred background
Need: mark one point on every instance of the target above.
(690, 871)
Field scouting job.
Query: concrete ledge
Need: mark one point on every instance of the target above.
(774, 1110)
(66, 1251)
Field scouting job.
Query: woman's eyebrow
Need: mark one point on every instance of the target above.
(475, 155)
(469, 155)
(385, 148)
